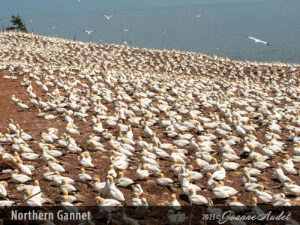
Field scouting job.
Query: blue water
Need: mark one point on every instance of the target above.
(171, 24)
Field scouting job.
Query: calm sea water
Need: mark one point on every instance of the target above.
(206, 26)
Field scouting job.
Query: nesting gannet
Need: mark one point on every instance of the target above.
(219, 174)
(127, 220)
(67, 197)
(55, 166)
(19, 178)
(111, 171)
(174, 203)
(294, 188)
(84, 161)
(3, 186)
(263, 196)
(47, 174)
(196, 199)
(114, 191)
(177, 218)
(124, 181)
(84, 177)
(66, 186)
(138, 189)
(97, 185)
(237, 206)
(163, 181)
(57, 179)
(255, 210)
(223, 191)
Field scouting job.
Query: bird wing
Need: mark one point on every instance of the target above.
(261, 41)
(252, 38)
(258, 40)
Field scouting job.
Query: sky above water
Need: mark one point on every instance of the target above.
(207, 26)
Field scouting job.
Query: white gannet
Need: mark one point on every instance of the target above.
(19, 178)
(163, 181)
(196, 199)
(258, 40)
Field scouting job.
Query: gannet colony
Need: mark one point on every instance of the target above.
(110, 125)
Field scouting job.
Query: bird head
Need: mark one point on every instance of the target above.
(278, 165)
(65, 192)
(19, 160)
(234, 199)
(110, 179)
(27, 191)
(144, 166)
(65, 198)
(121, 174)
(254, 200)
(214, 160)
(136, 195)
(36, 183)
(46, 170)
(4, 183)
(191, 191)
(173, 197)
(261, 187)
(64, 181)
(191, 177)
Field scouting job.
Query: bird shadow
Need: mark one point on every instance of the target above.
(291, 196)
(219, 200)
(184, 198)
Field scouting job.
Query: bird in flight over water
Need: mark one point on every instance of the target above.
(198, 15)
(127, 43)
(108, 17)
(88, 31)
(258, 40)
(125, 29)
